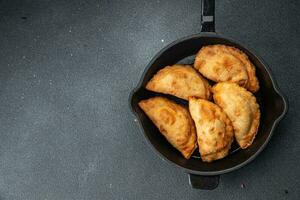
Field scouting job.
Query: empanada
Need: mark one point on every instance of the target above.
(242, 109)
(225, 63)
(182, 81)
(252, 84)
(173, 121)
(214, 129)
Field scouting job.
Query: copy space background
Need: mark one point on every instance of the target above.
(66, 70)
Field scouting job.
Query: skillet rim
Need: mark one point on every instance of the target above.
(266, 67)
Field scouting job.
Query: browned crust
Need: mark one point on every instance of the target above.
(252, 83)
(187, 145)
(250, 136)
(220, 72)
(218, 145)
(217, 155)
(183, 90)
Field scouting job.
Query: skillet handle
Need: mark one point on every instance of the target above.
(204, 182)
(208, 16)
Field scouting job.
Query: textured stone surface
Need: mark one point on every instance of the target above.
(66, 69)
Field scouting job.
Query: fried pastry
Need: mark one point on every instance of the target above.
(225, 63)
(182, 81)
(252, 84)
(242, 109)
(213, 127)
(173, 121)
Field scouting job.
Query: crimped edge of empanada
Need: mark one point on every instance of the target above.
(252, 84)
(187, 152)
(218, 48)
(249, 138)
(217, 155)
(220, 153)
(151, 83)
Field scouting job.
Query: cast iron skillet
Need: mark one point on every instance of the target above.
(272, 104)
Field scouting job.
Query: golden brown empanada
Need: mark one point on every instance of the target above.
(214, 129)
(182, 81)
(242, 109)
(173, 121)
(252, 84)
(219, 65)
(225, 63)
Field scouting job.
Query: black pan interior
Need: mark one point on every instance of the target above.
(183, 51)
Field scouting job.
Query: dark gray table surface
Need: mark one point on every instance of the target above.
(66, 70)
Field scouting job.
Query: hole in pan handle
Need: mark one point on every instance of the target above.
(204, 182)
(208, 16)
